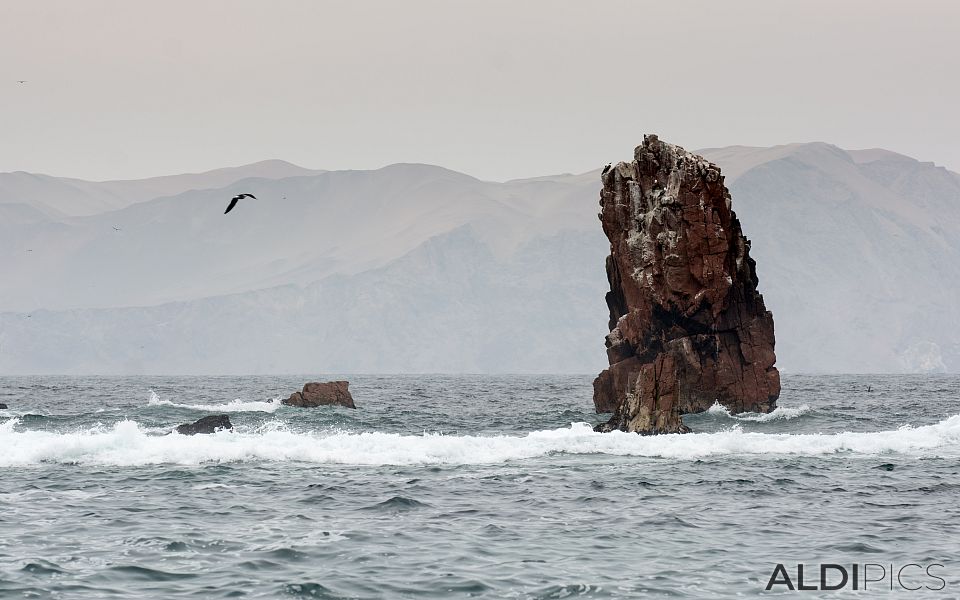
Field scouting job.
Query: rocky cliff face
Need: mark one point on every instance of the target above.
(687, 325)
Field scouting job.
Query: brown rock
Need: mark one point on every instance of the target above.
(687, 325)
(322, 394)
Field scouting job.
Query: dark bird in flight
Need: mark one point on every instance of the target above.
(116, 228)
(233, 202)
(21, 81)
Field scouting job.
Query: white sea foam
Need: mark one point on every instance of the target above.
(232, 406)
(781, 412)
(125, 443)
(10, 412)
(211, 486)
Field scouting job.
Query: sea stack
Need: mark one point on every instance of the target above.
(687, 325)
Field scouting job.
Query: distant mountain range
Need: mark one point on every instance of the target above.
(416, 268)
(33, 197)
(856, 252)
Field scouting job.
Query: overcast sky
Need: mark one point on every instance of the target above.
(495, 89)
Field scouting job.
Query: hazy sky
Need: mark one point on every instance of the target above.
(495, 89)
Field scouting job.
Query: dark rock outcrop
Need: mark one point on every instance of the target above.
(210, 424)
(3, 406)
(687, 325)
(330, 393)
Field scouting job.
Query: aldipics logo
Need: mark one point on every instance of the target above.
(910, 577)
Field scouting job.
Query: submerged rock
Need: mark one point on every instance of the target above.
(687, 325)
(330, 393)
(209, 424)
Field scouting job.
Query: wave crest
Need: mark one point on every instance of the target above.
(127, 444)
(780, 412)
(236, 405)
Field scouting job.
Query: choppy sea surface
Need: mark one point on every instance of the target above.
(463, 486)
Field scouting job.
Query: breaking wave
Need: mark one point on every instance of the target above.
(126, 443)
(779, 413)
(232, 406)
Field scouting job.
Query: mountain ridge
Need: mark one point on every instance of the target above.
(850, 247)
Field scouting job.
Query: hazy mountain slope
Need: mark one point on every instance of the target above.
(417, 268)
(855, 254)
(451, 305)
(58, 197)
(299, 230)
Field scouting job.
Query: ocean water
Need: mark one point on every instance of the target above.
(464, 486)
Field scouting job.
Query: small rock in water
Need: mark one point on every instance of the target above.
(208, 424)
(3, 406)
(330, 393)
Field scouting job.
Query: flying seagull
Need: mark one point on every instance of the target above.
(235, 199)
(21, 81)
(115, 227)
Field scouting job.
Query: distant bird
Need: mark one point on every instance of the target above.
(116, 228)
(29, 249)
(233, 202)
(21, 81)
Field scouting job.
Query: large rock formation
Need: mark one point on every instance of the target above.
(687, 325)
(330, 393)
